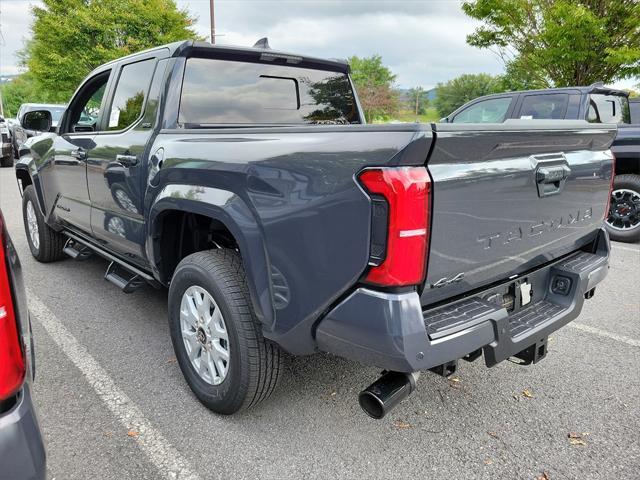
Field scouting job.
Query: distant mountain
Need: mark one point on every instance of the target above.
(404, 94)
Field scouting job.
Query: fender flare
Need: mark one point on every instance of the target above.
(230, 210)
(26, 166)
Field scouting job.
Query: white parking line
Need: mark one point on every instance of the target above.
(628, 249)
(603, 333)
(162, 454)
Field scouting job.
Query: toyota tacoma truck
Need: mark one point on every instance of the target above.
(595, 104)
(245, 181)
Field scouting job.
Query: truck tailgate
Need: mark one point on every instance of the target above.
(510, 197)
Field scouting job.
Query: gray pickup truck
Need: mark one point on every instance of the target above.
(245, 181)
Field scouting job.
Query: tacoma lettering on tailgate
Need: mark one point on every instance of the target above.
(536, 229)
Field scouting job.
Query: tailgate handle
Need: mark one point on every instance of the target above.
(551, 179)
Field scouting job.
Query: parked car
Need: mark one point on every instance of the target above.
(6, 154)
(634, 108)
(596, 104)
(56, 111)
(19, 135)
(22, 453)
(244, 180)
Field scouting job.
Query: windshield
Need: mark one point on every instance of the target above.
(608, 109)
(56, 113)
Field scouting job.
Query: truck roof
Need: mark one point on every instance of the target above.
(188, 47)
(44, 105)
(594, 88)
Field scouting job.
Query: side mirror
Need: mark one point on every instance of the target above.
(38, 120)
(444, 120)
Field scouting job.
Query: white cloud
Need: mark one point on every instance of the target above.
(422, 41)
(15, 20)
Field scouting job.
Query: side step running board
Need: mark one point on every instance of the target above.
(126, 277)
(123, 279)
(72, 250)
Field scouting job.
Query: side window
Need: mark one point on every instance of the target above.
(493, 110)
(85, 107)
(544, 107)
(129, 96)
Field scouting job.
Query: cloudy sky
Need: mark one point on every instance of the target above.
(422, 41)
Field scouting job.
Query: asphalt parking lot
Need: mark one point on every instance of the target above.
(113, 404)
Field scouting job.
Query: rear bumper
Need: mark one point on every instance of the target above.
(393, 332)
(22, 454)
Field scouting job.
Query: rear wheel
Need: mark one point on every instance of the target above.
(623, 222)
(216, 336)
(45, 243)
(6, 161)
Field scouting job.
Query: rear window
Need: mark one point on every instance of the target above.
(229, 92)
(544, 107)
(608, 109)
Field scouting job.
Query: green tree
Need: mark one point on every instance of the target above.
(418, 101)
(374, 84)
(72, 37)
(517, 77)
(21, 89)
(460, 90)
(370, 71)
(561, 42)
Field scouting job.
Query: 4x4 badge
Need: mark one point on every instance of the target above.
(445, 281)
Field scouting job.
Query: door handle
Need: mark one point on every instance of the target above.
(551, 179)
(79, 153)
(556, 173)
(127, 160)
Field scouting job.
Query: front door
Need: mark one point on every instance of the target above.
(116, 174)
(66, 170)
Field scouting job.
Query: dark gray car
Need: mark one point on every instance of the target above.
(22, 454)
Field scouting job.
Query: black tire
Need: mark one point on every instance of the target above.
(6, 161)
(632, 184)
(51, 242)
(254, 362)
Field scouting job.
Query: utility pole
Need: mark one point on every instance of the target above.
(213, 23)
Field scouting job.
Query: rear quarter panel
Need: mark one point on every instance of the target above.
(292, 197)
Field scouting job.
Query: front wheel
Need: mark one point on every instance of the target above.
(216, 336)
(623, 222)
(45, 243)
(6, 161)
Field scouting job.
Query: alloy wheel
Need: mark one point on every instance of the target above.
(32, 225)
(624, 213)
(205, 336)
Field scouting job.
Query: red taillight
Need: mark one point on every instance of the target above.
(407, 192)
(613, 174)
(12, 366)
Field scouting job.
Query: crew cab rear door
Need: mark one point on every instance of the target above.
(116, 176)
